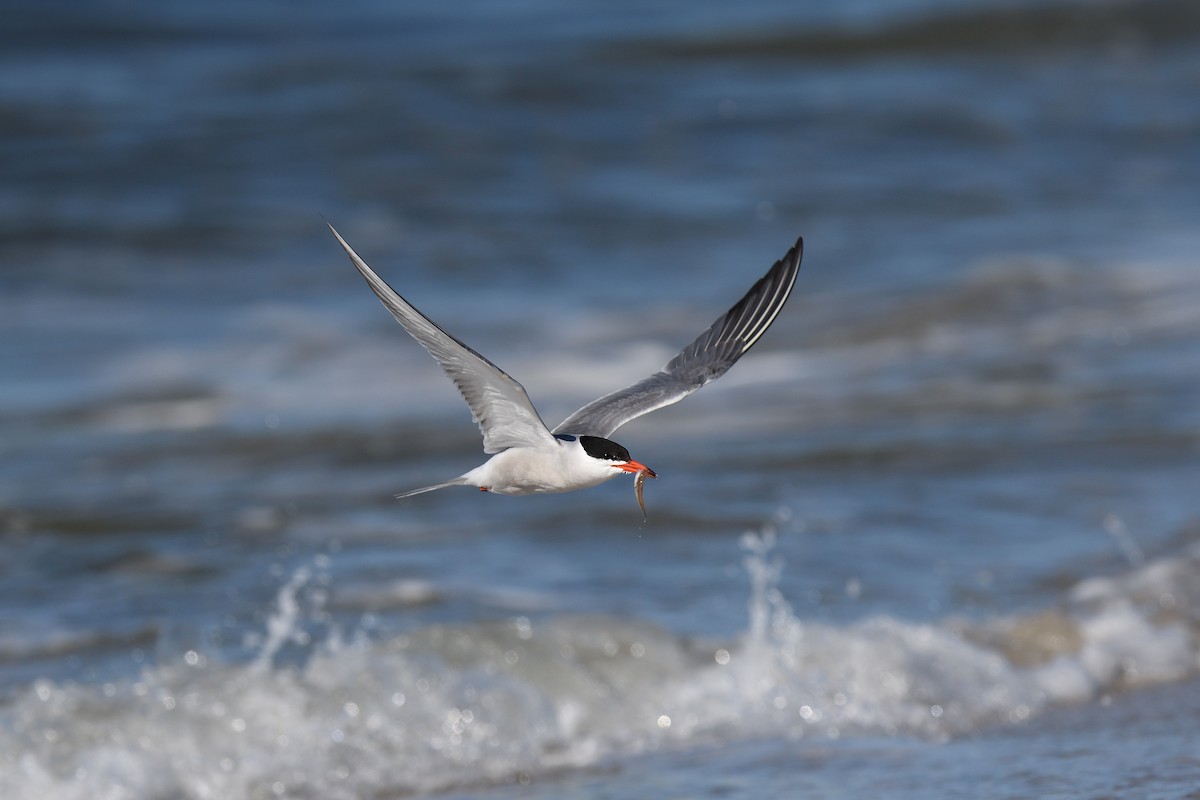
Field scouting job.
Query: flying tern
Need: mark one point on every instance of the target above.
(527, 456)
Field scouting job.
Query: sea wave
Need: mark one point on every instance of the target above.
(948, 30)
(511, 700)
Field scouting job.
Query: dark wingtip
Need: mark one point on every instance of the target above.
(791, 262)
(797, 252)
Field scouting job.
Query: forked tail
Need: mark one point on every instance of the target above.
(460, 481)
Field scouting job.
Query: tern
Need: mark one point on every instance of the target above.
(527, 456)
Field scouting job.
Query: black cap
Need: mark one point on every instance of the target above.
(605, 449)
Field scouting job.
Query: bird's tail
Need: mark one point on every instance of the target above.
(459, 481)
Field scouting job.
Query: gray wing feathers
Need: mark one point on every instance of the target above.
(706, 359)
(499, 404)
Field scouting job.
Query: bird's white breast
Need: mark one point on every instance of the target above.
(534, 470)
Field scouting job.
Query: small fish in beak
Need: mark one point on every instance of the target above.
(638, 480)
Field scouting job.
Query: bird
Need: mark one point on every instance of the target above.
(529, 457)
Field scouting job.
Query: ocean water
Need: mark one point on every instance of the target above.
(937, 535)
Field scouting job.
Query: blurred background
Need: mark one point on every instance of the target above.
(940, 522)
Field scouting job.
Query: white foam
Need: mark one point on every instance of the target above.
(489, 703)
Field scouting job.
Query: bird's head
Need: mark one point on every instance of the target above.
(615, 455)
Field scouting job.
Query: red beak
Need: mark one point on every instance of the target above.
(634, 466)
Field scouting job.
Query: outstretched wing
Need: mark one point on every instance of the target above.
(499, 404)
(704, 360)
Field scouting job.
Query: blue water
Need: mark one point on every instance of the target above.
(935, 535)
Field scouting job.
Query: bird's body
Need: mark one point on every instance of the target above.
(561, 467)
(530, 458)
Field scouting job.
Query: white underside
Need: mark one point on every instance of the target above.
(538, 470)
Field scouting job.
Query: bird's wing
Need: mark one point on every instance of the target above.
(706, 359)
(499, 404)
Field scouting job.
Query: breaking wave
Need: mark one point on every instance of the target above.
(508, 701)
